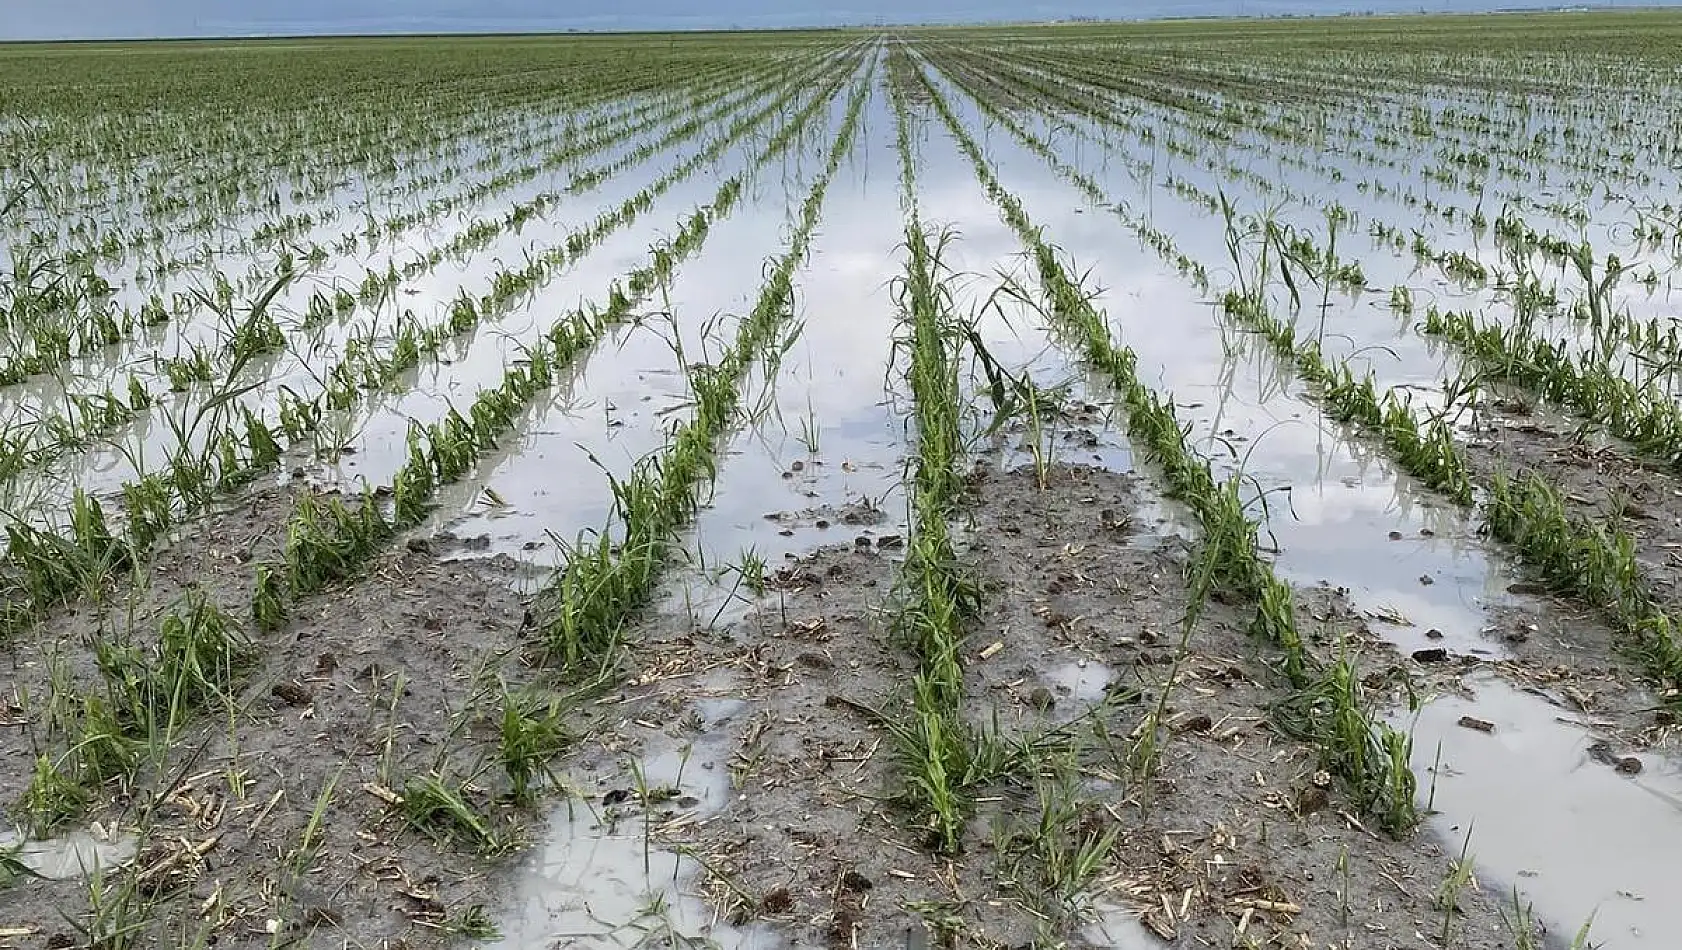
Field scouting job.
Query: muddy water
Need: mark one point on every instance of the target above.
(1120, 929)
(79, 854)
(1578, 838)
(601, 880)
(1085, 681)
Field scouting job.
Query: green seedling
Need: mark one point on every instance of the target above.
(532, 733)
(440, 809)
(1460, 876)
(53, 798)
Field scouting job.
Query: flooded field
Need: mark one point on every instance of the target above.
(1157, 485)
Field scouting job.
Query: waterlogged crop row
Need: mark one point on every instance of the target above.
(1209, 141)
(1580, 557)
(602, 584)
(328, 541)
(47, 304)
(361, 366)
(603, 581)
(49, 310)
(150, 695)
(1327, 707)
(316, 143)
(944, 759)
(234, 444)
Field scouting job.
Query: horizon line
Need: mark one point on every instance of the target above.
(1506, 9)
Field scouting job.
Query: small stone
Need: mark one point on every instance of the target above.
(779, 901)
(1199, 724)
(1395, 536)
(1432, 655)
(1433, 634)
(1311, 800)
(1426, 580)
(1480, 725)
(291, 693)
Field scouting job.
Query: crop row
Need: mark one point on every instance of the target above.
(1328, 707)
(232, 446)
(1579, 557)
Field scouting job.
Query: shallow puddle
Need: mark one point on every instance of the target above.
(1540, 799)
(71, 857)
(1120, 928)
(588, 890)
(1084, 680)
(600, 879)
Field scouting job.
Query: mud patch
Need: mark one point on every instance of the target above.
(1236, 835)
(271, 815)
(1598, 480)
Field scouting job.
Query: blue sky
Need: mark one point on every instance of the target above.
(65, 19)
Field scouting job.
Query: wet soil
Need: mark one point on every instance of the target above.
(1605, 483)
(750, 772)
(1237, 835)
(270, 822)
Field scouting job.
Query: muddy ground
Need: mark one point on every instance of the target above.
(270, 822)
(1238, 839)
(763, 751)
(1603, 482)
